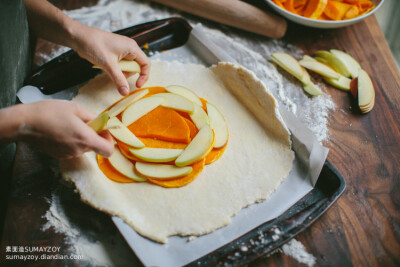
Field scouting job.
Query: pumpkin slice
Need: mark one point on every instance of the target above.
(192, 128)
(163, 124)
(182, 181)
(110, 172)
(215, 154)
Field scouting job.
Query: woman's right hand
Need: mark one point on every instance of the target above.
(59, 128)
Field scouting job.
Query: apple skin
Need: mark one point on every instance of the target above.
(98, 124)
(354, 87)
(185, 92)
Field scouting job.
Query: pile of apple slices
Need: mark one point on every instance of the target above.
(337, 68)
(190, 132)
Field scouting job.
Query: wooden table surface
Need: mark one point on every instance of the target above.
(362, 228)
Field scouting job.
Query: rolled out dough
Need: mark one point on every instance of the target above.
(258, 157)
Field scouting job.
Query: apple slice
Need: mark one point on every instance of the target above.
(156, 154)
(140, 108)
(122, 133)
(177, 102)
(312, 89)
(99, 122)
(319, 68)
(334, 62)
(198, 148)
(185, 92)
(352, 65)
(121, 105)
(161, 171)
(290, 64)
(124, 166)
(366, 92)
(126, 65)
(306, 57)
(199, 117)
(218, 125)
(341, 83)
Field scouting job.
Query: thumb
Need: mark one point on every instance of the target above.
(100, 144)
(115, 73)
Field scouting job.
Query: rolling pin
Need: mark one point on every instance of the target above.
(233, 13)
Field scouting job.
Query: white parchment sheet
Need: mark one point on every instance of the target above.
(310, 158)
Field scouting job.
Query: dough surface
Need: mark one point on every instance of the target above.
(258, 157)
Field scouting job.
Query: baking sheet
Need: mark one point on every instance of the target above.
(310, 157)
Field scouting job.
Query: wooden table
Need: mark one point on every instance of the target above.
(360, 229)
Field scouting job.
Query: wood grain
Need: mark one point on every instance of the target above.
(361, 229)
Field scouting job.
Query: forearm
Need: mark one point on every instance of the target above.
(11, 121)
(50, 23)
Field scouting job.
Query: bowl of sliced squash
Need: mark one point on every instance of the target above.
(325, 13)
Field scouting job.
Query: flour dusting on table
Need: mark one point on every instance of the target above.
(249, 50)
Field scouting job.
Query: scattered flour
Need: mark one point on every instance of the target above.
(295, 249)
(247, 49)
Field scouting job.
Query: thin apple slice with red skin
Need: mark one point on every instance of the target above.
(354, 87)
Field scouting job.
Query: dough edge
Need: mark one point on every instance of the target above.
(250, 89)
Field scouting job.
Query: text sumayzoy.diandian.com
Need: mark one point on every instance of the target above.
(44, 256)
(35, 253)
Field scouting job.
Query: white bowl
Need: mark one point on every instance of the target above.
(323, 24)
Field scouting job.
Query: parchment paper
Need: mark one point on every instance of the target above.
(310, 158)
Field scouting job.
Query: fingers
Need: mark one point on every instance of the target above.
(101, 144)
(144, 63)
(83, 113)
(113, 70)
(135, 53)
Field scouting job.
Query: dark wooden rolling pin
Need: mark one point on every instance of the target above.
(234, 13)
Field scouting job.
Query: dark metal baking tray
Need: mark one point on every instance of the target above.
(69, 69)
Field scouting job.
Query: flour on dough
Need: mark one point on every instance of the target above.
(258, 157)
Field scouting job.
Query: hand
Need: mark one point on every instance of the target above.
(59, 129)
(106, 50)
